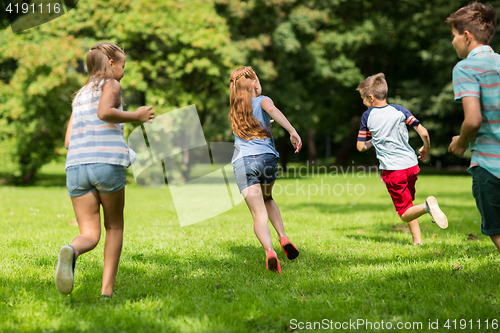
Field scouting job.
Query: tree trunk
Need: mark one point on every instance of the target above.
(328, 149)
(282, 148)
(349, 142)
(311, 146)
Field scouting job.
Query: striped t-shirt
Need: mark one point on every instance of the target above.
(93, 140)
(479, 75)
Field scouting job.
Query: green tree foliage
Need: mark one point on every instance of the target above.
(312, 54)
(309, 54)
(178, 53)
(38, 80)
(305, 54)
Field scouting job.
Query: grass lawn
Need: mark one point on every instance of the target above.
(356, 265)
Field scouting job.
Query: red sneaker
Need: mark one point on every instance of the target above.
(290, 250)
(272, 263)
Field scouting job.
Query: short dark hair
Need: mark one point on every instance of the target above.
(374, 85)
(478, 19)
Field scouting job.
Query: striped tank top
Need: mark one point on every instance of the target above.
(93, 140)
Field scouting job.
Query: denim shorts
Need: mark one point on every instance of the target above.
(255, 169)
(85, 178)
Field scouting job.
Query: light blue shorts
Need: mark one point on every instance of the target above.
(85, 178)
(255, 169)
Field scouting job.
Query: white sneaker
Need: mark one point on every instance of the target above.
(431, 206)
(65, 270)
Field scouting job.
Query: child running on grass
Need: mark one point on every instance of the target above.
(383, 126)
(255, 159)
(476, 84)
(95, 164)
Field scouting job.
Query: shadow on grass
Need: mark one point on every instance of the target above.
(168, 292)
(334, 208)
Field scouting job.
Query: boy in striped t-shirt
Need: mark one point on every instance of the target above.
(383, 126)
(476, 83)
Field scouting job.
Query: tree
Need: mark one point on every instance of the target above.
(178, 53)
(311, 55)
(291, 45)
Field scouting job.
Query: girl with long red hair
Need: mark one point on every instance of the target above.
(255, 159)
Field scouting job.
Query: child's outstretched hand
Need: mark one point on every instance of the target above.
(296, 141)
(424, 153)
(144, 114)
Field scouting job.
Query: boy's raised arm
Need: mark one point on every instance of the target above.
(470, 126)
(364, 145)
(424, 135)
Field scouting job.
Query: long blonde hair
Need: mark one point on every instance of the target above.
(97, 62)
(243, 122)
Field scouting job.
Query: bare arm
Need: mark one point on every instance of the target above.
(470, 126)
(268, 105)
(424, 135)
(68, 132)
(110, 101)
(364, 145)
(276, 114)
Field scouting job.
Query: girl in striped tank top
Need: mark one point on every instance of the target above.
(97, 156)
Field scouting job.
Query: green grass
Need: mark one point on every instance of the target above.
(356, 262)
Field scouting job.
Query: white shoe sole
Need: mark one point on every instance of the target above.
(64, 272)
(436, 213)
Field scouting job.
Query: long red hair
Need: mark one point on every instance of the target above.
(241, 90)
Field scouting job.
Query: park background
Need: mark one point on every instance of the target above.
(356, 260)
(309, 55)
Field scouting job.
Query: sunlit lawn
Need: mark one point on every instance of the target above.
(357, 263)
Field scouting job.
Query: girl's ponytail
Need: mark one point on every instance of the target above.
(243, 122)
(97, 62)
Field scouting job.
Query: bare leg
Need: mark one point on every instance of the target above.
(89, 221)
(272, 209)
(411, 216)
(415, 231)
(496, 240)
(112, 204)
(255, 202)
(413, 213)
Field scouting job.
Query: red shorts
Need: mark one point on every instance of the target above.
(401, 187)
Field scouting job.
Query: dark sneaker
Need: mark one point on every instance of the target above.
(272, 263)
(290, 250)
(65, 270)
(431, 206)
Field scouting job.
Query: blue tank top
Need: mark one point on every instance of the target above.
(255, 146)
